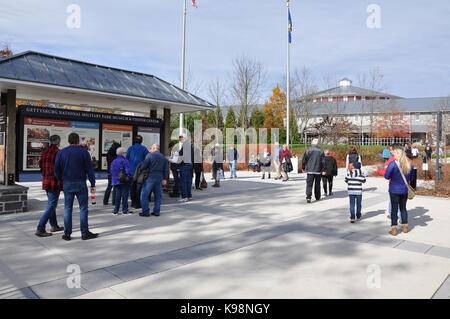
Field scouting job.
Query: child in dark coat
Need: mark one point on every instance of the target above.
(329, 171)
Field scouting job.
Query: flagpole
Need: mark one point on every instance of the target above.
(288, 89)
(182, 61)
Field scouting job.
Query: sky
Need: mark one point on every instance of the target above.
(331, 38)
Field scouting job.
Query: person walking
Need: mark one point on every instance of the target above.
(355, 178)
(285, 160)
(312, 164)
(383, 171)
(352, 157)
(408, 151)
(276, 160)
(120, 168)
(386, 154)
(428, 149)
(329, 170)
(399, 172)
(217, 164)
(52, 188)
(110, 157)
(135, 155)
(158, 174)
(175, 169)
(198, 167)
(187, 158)
(72, 165)
(266, 161)
(232, 156)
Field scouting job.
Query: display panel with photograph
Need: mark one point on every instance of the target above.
(122, 134)
(150, 136)
(38, 131)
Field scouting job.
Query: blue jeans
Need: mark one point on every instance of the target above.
(155, 185)
(390, 211)
(358, 200)
(80, 190)
(233, 169)
(398, 202)
(186, 180)
(121, 194)
(50, 212)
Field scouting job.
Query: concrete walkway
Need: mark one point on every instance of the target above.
(251, 238)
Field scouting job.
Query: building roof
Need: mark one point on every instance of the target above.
(345, 88)
(35, 67)
(412, 105)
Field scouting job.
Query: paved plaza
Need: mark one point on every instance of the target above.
(251, 238)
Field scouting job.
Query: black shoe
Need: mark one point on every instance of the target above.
(263, 177)
(331, 194)
(66, 237)
(308, 200)
(155, 214)
(143, 215)
(89, 235)
(199, 188)
(269, 176)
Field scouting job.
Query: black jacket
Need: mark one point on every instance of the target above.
(312, 160)
(330, 166)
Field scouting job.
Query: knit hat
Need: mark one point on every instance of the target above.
(357, 165)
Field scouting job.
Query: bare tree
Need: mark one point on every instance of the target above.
(191, 84)
(372, 80)
(303, 90)
(217, 92)
(248, 77)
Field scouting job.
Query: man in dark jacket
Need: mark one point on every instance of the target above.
(52, 187)
(158, 174)
(73, 164)
(329, 171)
(312, 163)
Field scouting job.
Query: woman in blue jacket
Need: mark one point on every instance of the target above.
(121, 189)
(398, 191)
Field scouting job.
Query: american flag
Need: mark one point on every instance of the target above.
(194, 3)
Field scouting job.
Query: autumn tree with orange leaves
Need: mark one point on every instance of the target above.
(274, 110)
(5, 52)
(392, 124)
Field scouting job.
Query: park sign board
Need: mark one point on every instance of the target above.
(97, 132)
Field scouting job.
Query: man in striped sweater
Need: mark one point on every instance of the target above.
(355, 178)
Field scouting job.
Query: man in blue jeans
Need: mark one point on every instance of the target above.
(73, 164)
(52, 187)
(157, 176)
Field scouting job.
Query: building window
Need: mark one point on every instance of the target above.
(356, 117)
(417, 117)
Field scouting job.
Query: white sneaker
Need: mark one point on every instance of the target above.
(182, 200)
(189, 199)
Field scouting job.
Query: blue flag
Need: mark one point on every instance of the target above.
(289, 26)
